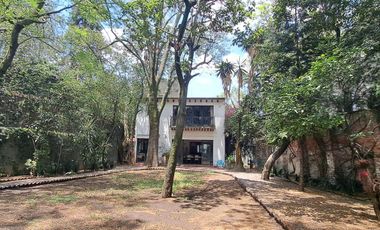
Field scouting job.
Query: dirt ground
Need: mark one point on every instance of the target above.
(312, 209)
(131, 200)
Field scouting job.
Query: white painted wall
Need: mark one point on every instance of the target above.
(166, 134)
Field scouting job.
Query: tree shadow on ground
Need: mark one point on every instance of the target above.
(211, 195)
(287, 201)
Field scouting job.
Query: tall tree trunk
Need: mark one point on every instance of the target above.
(172, 162)
(303, 168)
(152, 154)
(368, 181)
(183, 81)
(14, 44)
(154, 124)
(239, 162)
(128, 151)
(323, 166)
(272, 159)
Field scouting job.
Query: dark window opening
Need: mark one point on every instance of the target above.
(196, 115)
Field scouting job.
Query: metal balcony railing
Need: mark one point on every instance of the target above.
(195, 121)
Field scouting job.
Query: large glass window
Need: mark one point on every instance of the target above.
(197, 115)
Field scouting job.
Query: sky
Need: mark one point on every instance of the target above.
(208, 84)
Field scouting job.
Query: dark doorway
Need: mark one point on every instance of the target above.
(197, 152)
(142, 149)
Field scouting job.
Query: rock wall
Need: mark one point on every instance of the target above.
(15, 151)
(330, 158)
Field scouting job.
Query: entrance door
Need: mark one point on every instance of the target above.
(200, 152)
(142, 149)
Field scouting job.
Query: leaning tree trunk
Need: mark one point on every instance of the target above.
(183, 81)
(172, 162)
(272, 159)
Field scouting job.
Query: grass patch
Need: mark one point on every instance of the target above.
(153, 180)
(61, 199)
(32, 202)
(137, 182)
(185, 180)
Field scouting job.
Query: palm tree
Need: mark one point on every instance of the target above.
(240, 73)
(225, 71)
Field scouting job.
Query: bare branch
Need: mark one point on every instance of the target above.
(56, 11)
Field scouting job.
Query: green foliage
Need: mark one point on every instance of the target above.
(31, 165)
(230, 161)
(55, 101)
(313, 66)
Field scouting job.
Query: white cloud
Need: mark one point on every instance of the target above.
(235, 57)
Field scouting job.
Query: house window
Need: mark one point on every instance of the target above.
(196, 115)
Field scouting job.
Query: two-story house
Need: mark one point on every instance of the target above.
(203, 136)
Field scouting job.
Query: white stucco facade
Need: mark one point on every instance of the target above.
(166, 131)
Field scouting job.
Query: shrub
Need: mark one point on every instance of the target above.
(230, 161)
(31, 165)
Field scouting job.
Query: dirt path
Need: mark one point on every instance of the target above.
(312, 209)
(110, 202)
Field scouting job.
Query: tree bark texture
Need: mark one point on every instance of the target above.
(14, 43)
(371, 186)
(183, 80)
(303, 168)
(272, 159)
(154, 125)
(152, 154)
(238, 161)
(323, 165)
(167, 188)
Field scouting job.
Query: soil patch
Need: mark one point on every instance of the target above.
(131, 200)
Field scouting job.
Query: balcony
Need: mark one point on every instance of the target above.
(196, 123)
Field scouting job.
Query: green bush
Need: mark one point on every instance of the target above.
(230, 161)
(31, 165)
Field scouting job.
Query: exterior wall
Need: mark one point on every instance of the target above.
(339, 159)
(167, 134)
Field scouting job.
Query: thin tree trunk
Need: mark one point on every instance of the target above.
(238, 161)
(303, 152)
(6, 63)
(14, 43)
(183, 81)
(272, 159)
(172, 162)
